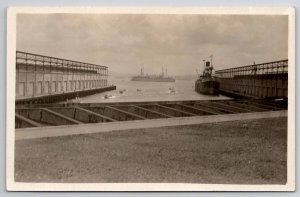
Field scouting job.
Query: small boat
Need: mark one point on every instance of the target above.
(138, 90)
(172, 90)
(75, 100)
(108, 96)
(122, 91)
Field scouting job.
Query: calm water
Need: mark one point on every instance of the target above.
(149, 91)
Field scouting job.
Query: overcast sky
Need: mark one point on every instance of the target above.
(178, 42)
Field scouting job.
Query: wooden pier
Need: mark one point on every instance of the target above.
(85, 113)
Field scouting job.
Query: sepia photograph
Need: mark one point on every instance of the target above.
(151, 99)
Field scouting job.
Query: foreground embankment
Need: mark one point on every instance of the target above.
(239, 152)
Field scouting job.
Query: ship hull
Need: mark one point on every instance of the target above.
(210, 86)
(152, 79)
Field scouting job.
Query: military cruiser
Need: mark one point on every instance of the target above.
(153, 78)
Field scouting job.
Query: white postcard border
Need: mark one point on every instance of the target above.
(10, 96)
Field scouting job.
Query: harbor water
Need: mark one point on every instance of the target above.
(131, 91)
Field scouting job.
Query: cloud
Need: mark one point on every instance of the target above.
(181, 42)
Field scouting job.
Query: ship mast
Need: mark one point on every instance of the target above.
(211, 60)
(142, 71)
(204, 66)
(211, 64)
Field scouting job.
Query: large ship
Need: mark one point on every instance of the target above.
(153, 78)
(207, 83)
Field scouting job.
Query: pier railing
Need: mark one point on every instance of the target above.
(277, 67)
(57, 63)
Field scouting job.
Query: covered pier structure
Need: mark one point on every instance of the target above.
(266, 80)
(44, 79)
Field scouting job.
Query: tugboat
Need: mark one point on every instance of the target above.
(207, 83)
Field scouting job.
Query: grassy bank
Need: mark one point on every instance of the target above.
(240, 152)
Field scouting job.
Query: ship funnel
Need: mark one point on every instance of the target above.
(207, 64)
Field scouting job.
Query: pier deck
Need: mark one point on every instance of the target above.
(69, 119)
